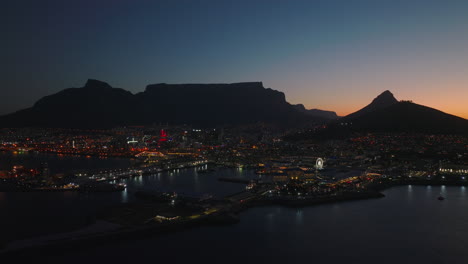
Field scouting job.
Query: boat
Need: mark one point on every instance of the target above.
(440, 198)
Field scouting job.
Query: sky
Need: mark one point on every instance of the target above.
(332, 55)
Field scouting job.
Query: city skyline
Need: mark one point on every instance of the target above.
(248, 131)
(331, 55)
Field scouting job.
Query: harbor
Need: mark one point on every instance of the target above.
(156, 213)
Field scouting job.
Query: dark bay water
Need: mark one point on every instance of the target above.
(24, 215)
(409, 225)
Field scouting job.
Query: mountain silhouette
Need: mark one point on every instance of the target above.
(386, 114)
(98, 105)
(316, 112)
(384, 100)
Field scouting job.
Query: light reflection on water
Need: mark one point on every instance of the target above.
(429, 191)
(443, 190)
(299, 217)
(196, 182)
(410, 193)
(124, 196)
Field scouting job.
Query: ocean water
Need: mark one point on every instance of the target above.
(409, 225)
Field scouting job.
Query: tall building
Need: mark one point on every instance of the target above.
(162, 136)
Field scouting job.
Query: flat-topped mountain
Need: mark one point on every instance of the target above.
(97, 104)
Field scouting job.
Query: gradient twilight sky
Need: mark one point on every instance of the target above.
(330, 54)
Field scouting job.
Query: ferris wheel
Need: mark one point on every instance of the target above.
(319, 164)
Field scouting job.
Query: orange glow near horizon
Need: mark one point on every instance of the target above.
(457, 106)
(446, 90)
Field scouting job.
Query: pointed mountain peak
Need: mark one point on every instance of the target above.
(385, 98)
(92, 83)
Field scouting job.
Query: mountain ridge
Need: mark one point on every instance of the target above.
(98, 104)
(317, 112)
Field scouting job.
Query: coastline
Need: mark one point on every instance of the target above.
(88, 236)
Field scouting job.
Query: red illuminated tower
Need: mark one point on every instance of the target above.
(162, 136)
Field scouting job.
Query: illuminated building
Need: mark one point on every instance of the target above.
(162, 136)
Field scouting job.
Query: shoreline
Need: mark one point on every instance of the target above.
(227, 217)
(222, 218)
